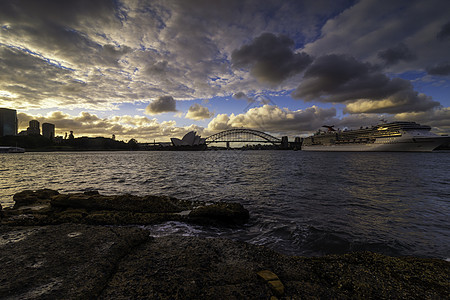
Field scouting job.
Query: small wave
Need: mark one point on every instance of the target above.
(174, 228)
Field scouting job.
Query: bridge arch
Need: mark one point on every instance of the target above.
(242, 135)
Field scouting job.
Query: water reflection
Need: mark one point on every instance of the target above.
(300, 202)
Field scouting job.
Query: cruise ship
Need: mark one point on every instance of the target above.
(394, 136)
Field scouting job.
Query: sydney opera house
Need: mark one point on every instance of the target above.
(190, 139)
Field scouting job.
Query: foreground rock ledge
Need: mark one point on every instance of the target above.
(78, 261)
(44, 207)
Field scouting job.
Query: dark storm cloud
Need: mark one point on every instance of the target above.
(240, 95)
(442, 69)
(160, 105)
(63, 28)
(395, 54)
(444, 33)
(158, 68)
(68, 12)
(243, 96)
(271, 58)
(17, 75)
(342, 78)
(116, 52)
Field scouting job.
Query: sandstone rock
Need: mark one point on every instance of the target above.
(267, 275)
(147, 204)
(273, 281)
(277, 287)
(104, 262)
(47, 207)
(29, 197)
(62, 262)
(128, 218)
(91, 193)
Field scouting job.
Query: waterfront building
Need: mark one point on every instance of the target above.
(34, 128)
(8, 122)
(48, 130)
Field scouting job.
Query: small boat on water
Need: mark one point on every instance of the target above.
(8, 149)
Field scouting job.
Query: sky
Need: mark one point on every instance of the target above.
(152, 70)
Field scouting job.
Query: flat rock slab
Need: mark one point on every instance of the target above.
(76, 261)
(175, 267)
(49, 207)
(68, 261)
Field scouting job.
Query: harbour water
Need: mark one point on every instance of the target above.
(301, 203)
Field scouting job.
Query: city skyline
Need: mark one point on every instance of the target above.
(159, 69)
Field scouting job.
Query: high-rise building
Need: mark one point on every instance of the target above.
(34, 128)
(8, 121)
(48, 130)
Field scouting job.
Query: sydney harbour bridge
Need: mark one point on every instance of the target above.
(242, 135)
(236, 135)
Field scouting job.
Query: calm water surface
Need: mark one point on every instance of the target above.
(301, 203)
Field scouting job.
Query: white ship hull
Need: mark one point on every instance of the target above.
(427, 144)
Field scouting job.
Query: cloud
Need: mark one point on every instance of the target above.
(97, 55)
(395, 54)
(258, 98)
(198, 112)
(219, 123)
(442, 69)
(240, 96)
(160, 105)
(438, 118)
(123, 127)
(343, 79)
(402, 101)
(271, 58)
(444, 33)
(271, 118)
(369, 27)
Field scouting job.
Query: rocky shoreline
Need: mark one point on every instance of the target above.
(58, 246)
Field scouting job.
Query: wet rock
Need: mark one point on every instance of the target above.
(129, 218)
(147, 204)
(91, 193)
(45, 207)
(225, 213)
(29, 197)
(189, 268)
(62, 262)
(72, 261)
(177, 267)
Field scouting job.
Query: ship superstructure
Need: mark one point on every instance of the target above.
(394, 136)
